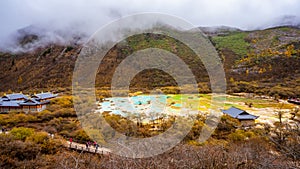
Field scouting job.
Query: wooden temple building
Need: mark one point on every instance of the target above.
(21, 102)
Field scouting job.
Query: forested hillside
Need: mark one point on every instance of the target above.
(261, 61)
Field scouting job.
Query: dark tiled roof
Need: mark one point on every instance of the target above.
(30, 102)
(239, 114)
(14, 96)
(47, 95)
(233, 112)
(10, 103)
(295, 101)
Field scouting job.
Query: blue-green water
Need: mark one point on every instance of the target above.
(148, 104)
(146, 107)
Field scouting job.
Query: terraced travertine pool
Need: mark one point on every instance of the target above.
(153, 106)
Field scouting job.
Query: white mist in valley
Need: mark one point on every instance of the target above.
(72, 22)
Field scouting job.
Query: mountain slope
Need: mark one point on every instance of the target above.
(262, 61)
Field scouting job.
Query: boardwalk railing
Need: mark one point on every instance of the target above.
(91, 149)
(79, 146)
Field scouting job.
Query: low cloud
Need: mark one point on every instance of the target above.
(59, 18)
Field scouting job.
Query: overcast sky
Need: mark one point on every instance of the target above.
(91, 14)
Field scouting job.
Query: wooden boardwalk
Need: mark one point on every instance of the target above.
(90, 149)
(79, 147)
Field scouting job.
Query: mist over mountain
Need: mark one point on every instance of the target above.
(136, 86)
(63, 21)
(34, 36)
(285, 20)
